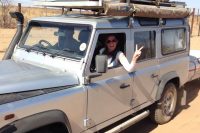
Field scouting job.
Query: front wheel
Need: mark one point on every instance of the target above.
(165, 108)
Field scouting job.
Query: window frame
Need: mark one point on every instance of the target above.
(106, 34)
(155, 40)
(92, 46)
(22, 45)
(182, 50)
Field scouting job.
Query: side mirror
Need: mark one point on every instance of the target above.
(101, 63)
(101, 67)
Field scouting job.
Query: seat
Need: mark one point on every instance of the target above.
(83, 36)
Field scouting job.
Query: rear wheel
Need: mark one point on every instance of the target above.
(165, 108)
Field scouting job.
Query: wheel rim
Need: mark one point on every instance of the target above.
(169, 103)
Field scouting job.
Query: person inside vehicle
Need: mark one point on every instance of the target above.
(116, 57)
(66, 40)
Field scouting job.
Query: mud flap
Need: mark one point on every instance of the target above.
(184, 97)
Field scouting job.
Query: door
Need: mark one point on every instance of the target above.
(110, 94)
(146, 76)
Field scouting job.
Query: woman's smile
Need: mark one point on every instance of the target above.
(111, 43)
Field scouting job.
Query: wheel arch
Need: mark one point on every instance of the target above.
(169, 77)
(38, 120)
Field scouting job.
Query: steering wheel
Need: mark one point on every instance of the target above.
(45, 41)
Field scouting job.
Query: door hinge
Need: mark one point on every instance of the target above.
(87, 122)
(132, 102)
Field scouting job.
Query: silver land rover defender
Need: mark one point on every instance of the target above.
(55, 81)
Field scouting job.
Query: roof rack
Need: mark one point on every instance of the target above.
(166, 3)
(153, 2)
(140, 8)
(99, 3)
(75, 4)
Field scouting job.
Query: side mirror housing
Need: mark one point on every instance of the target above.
(101, 63)
(101, 67)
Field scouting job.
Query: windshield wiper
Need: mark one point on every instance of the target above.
(68, 50)
(61, 52)
(36, 47)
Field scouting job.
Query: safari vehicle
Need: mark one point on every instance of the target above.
(54, 81)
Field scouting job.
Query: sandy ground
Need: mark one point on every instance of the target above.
(187, 118)
(195, 42)
(5, 39)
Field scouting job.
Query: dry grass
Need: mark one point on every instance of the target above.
(6, 35)
(32, 12)
(195, 25)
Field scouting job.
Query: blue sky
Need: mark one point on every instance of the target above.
(190, 3)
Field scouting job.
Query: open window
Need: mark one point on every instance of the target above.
(101, 44)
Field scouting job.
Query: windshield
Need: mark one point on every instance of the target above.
(57, 39)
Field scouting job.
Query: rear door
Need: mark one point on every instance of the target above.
(146, 75)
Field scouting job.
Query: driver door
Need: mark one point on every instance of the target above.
(110, 94)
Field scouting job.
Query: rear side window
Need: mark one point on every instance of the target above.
(173, 40)
(147, 40)
(148, 21)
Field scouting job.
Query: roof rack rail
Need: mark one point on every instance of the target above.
(74, 4)
(92, 4)
(140, 8)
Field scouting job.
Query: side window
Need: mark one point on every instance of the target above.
(101, 48)
(173, 40)
(147, 40)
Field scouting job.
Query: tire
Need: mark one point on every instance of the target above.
(164, 110)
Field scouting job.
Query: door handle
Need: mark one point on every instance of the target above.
(123, 86)
(154, 75)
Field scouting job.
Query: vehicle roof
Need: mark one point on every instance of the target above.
(106, 22)
(95, 21)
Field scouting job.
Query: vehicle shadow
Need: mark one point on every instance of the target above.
(192, 88)
(145, 126)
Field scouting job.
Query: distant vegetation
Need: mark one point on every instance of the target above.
(5, 7)
(29, 12)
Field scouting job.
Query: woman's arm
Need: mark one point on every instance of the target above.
(123, 60)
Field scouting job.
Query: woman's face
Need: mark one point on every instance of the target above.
(111, 43)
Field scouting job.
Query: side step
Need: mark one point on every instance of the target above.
(128, 123)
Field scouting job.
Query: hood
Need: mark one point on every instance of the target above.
(18, 77)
